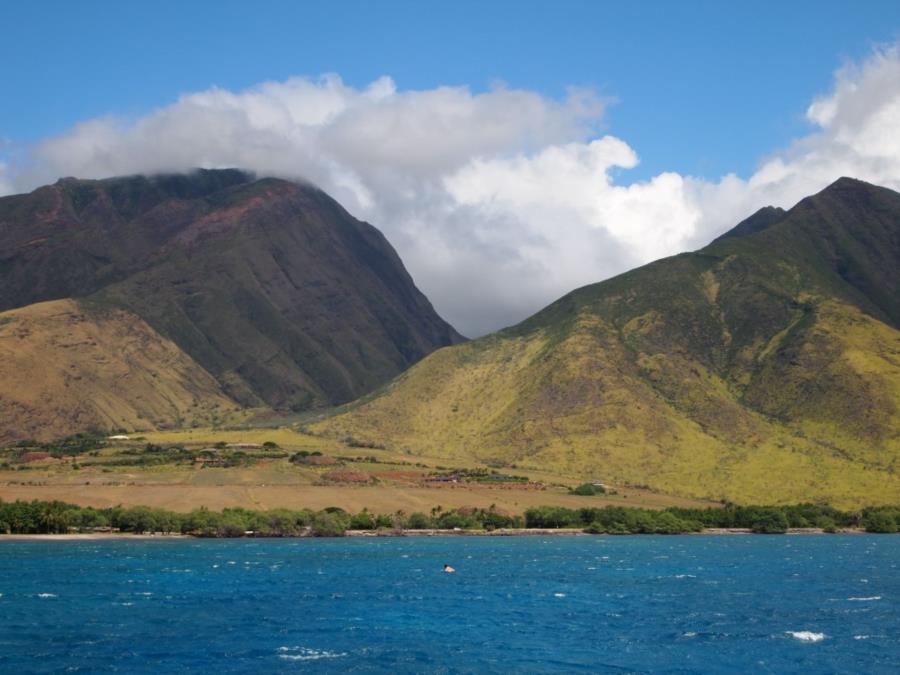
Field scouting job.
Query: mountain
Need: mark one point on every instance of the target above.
(764, 367)
(268, 285)
(67, 368)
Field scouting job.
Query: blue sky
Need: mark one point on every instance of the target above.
(702, 87)
(452, 126)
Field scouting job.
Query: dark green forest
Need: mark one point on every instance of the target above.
(55, 517)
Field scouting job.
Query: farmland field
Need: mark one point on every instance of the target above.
(182, 470)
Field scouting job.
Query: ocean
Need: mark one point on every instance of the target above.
(641, 604)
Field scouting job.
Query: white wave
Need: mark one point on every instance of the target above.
(871, 598)
(861, 637)
(47, 595)
(685, 576)
(307, 654)
(689, 634)
(806, 635)
(559, 595)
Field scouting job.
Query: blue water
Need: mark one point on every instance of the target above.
(812, 604)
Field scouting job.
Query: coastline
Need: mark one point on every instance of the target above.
(499, 532)
(91, 536)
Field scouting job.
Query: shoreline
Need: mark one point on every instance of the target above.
(363, 534)
(92, 536)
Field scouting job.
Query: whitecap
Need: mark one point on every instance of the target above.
(559, 595)
(47, 595)
(685, 576)
(689, 634)
(806, 635)
(871, 598)
(861, 637)
(307, 654)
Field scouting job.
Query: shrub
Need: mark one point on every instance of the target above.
(362, 521)
(418, 521)
(880, 522)
(770, 521)
(587, 490)
(329, 525)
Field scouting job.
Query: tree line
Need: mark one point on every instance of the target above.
(674, 520)
(55, 517)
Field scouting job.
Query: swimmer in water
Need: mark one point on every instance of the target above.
(448, 569)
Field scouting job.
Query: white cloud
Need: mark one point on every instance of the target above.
(5, 182)
(498, 202)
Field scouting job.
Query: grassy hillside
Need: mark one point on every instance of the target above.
(65, 367)
(764, 368)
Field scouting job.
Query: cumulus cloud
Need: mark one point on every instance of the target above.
(5, 182)
(498, 202)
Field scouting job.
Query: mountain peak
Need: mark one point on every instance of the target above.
(762, 219)
(846, 188)
(846, 182)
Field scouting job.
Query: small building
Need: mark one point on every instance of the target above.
(118, 437)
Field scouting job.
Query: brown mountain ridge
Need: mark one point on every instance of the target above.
(268, 285)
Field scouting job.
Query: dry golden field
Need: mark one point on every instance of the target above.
(103, 480)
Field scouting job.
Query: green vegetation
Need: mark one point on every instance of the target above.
(588, 490)
(86, 448)
(761, 369)
(69, 446)
(759, 519)
(478, 475)
(883, 520)
(300, 457)
(42, 517)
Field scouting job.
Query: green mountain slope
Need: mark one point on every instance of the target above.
(765, 367)
(269, 285)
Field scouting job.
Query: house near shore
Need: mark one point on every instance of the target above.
(118, 437)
